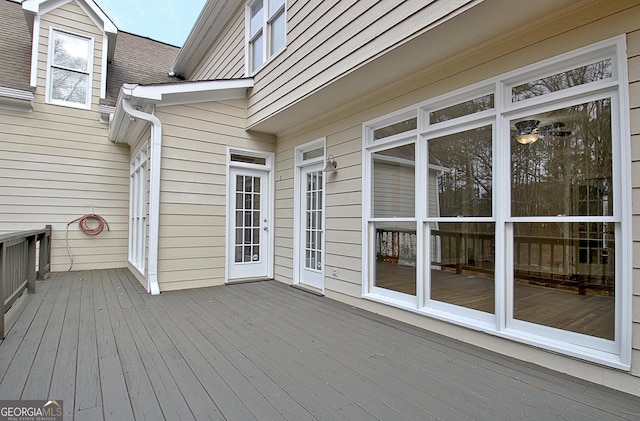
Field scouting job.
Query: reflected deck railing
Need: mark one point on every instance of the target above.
(546, 261)
(19, 254)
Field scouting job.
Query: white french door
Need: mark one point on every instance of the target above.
(249, 220)
(311, 226)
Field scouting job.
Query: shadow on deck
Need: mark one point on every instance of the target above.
(262, 350)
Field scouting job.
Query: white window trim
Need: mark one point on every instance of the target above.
(49, 80)
(616, 353)
(267, 55)
(138, 196)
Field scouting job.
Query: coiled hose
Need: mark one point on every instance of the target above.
(86, 228)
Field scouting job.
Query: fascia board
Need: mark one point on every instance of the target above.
(208, 26)
(192, 92)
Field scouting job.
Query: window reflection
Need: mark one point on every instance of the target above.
(459, 110)
(575, 77)
(460, 173)
(463, 264)
(564, 276)
(568, 170)
(394, 182)
(396, 248)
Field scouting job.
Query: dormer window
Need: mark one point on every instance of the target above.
(266, 31)
(69, 69)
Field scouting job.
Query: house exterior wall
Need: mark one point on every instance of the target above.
(225, 58)
(193, 196)
(56, 165)
(344, 188)
(320, 35)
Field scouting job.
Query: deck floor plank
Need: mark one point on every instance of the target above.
(21, 315)
(16, 376)
(41, 373)
(264, 350)
(64, 372)
(115, 395)
(307, 351)
(169, 397)
(142, 397)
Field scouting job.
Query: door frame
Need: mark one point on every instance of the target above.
(263, 161)
(300, 164)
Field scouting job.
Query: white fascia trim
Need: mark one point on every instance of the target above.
(190, 92)
(154, 192)
(16, 99)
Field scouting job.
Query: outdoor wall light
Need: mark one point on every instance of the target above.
(332, 165)
(527, 131)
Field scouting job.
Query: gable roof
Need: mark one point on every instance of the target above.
(135, 59)
(138, 60)
(15, 47)
(31, 8)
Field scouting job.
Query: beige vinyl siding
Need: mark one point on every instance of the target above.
(56, 165)
(321, 34)
(633, 53)
(225, 58)
(344, 188)
(193, 189)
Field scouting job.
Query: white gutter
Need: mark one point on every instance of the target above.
(154, 188)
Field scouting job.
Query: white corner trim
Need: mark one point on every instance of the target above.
(34, 51)
(154, 193)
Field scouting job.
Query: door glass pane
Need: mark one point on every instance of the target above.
(247, 232)
(460, 173)
(394, 182)
(564, 276)
(463, 264)
(396, 248)
(566, 168)
(313, 230)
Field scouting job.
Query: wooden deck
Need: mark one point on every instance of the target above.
(262, 351)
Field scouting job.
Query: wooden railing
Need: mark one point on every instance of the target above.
(19, 253)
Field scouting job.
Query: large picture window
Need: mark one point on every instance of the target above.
(69, 71)
(266, 31)
(511, 215)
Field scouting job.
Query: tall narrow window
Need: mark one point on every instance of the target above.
(69, 72)
(138, 210)
(266, 31)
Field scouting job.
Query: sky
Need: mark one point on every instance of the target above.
(169, 21)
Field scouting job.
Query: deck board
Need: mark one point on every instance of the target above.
(263, 350)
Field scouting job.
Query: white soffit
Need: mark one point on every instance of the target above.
(190, 92)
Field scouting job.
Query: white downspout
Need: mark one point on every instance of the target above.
(154, 189)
